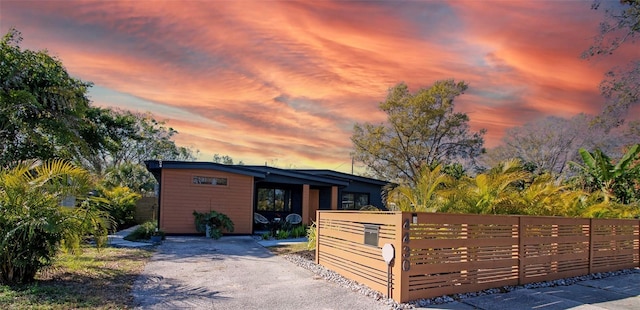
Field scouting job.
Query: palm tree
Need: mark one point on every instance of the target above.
(33, 225)
(420, 197)
(488, 193)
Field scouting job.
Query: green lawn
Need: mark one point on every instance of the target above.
(96, 279)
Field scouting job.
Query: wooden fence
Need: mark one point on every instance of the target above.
(441, 254)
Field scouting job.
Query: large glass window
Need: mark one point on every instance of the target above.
(354, 201)
(274, 199)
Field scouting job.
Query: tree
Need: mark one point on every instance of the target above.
(131, 175)
(225, 159)
(422, 129)
(548, 145)
(621, 24)
(41, 106)
(621, 89)
(33, 225)
(621, 86)
(122, 137)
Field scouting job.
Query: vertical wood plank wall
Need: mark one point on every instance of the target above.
(442, 254)
(180, 197)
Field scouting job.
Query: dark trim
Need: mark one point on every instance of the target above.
(308, 177)
(343, 176)
(155, 165)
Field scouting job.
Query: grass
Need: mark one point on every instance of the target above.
(96, 279)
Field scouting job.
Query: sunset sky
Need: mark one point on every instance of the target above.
(284, 82)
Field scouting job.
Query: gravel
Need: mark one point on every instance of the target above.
(334, 277)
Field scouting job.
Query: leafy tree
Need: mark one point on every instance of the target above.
(126, 137)
(33, 225)
(130, 175)
(41, 106)
(422, 129)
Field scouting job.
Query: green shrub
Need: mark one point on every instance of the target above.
(298, 231)
(311, 236)
(282, 234)
(144, 232)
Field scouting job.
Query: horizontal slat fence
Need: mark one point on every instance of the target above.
(340, 245)
(453, 253)
(440, 254)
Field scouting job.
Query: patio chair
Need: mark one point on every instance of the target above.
(293, 219)
(260, 219)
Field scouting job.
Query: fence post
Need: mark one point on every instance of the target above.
(400, 292)
(317, 256)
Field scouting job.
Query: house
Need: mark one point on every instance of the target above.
(239, 191)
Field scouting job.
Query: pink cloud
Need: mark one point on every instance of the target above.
(287, 80)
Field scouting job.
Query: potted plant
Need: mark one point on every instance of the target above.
(212, 223)
(156, 236)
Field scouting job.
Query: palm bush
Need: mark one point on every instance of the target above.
(120, 203)
(33, 225)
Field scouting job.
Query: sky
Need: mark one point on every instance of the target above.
(283, 82)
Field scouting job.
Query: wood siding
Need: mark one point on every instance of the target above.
(442, 254)
(180, 197)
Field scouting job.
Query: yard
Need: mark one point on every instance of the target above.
(97, 279)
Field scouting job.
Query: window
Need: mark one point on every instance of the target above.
(354, 201)
(210, 180)
(274, 199)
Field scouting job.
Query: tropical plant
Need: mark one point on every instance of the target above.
(420, 196)
(212, 223)
(617, 182)
(120, 203)
(491, 192)
(33, 225)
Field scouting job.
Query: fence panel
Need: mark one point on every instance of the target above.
(453, 253)
(442, 254)
(342, 248)
(615, 244)
(553, 248)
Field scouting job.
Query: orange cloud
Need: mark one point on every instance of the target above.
(286, 80)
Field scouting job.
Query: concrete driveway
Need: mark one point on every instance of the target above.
(235, 273)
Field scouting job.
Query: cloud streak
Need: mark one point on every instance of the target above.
(269, 80)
